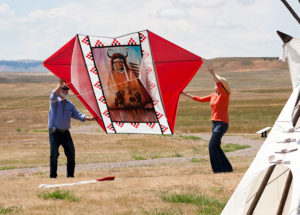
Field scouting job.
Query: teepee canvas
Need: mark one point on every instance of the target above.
(271, 185)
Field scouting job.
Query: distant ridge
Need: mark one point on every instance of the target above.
(22, 66)
(223, 63)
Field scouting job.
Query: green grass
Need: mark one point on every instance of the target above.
(206, 205)
(156, 156)
(59, 195)
(162, 212)
(190, 137)
(245, 115)
(18, 129)
(198, 160)
(7, 167)
(233, 147)
(42, 130)
(4, 210)
(176, 154)
(138, 157)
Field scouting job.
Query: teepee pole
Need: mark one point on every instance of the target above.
(285, 193)
(260, 190)
(291, 10)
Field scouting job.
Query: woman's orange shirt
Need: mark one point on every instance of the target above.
(218, 102)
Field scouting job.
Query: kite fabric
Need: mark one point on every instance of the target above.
(131, 84)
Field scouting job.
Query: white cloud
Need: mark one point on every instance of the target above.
(171, 13)
(199, 3)
(208, 28)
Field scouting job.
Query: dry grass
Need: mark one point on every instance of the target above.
(257, 98)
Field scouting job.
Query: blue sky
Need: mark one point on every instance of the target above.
(34, 29)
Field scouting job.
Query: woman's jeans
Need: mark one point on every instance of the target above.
(218, 160)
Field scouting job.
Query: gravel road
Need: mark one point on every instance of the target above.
(235, 139)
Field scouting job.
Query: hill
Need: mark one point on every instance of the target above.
(22, 66)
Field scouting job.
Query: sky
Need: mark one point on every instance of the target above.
(35, 29)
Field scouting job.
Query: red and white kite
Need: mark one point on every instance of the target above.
(131, 84)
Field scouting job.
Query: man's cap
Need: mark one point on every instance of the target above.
(65, 87)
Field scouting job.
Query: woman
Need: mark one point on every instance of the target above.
(219, 102)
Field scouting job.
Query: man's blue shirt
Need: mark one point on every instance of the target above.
(61, 112)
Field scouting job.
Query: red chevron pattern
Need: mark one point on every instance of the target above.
(145, 54)
(150, 124)
(135, 124)
(98, 44)
(142, 37)
(89, 56)
(120, 124)
(102, 99)
(151, 85)
(155, 101)
(115, 42)
(94, 71)
(98, 85)
(131, 42)
(106, 113)
(111, 127)
(159, 115)
(163, 128)
(85, 40)
(148, 69)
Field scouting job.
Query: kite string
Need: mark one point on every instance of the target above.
(26, 98)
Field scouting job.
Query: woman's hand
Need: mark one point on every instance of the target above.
(187, 94)
(211, 71)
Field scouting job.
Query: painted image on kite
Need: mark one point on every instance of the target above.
(126, 96)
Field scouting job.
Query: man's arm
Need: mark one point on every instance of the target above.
(80, 116)
(55, 93)
(58, 88)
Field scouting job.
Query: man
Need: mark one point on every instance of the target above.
(61, 111)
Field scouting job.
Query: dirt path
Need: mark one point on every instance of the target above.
(234, 139)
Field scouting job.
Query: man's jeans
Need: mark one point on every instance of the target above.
(64, 139)
(218, 160)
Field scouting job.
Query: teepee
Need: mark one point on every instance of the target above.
(271, 185)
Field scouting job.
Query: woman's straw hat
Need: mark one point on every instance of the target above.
(224, 83)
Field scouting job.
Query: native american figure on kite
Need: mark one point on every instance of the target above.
(130, 91)
(127, 98)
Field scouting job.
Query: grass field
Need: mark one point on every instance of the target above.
(260, 88)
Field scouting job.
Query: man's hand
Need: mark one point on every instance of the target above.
(57, 89)
(89, 118)
(61, 82)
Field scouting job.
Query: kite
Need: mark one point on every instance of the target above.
(131, 83)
